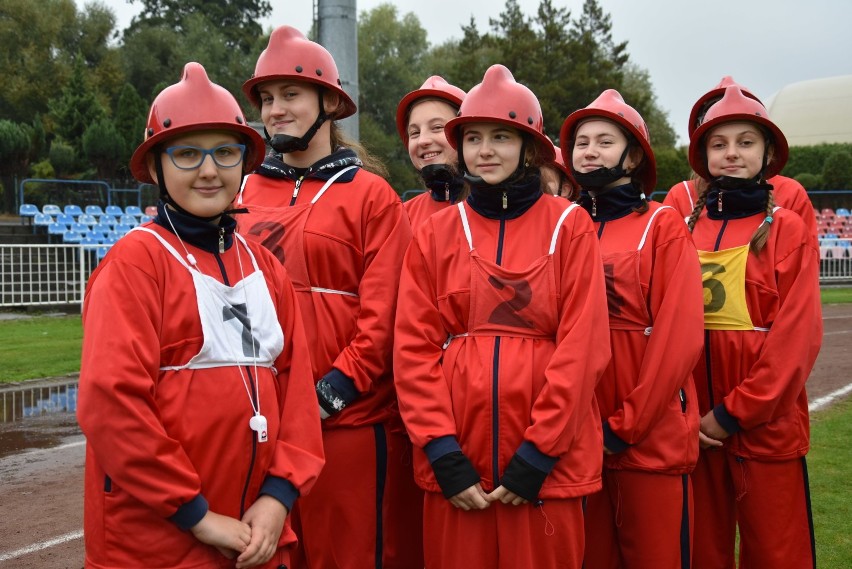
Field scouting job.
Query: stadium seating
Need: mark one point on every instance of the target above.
(133, 210)
(72, 209)
(51, 209)
(114, 211)
(95, 210)
(28, 210)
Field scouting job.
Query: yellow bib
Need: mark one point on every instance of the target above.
(723, 274)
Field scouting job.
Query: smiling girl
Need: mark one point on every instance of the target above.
(763, 331)
(649, 413)
(501, 335)
(420, 119)
(195, 391)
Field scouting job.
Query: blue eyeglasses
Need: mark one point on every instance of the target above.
(191, 157)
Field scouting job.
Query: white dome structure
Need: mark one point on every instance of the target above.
(814, 112)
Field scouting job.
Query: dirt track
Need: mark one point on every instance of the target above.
(41, 497)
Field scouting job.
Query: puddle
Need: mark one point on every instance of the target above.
(22, 402)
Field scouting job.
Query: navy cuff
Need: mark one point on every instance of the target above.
(441, 446)
(726, 420)
(523, 479)
(190, 513)
(613, 442)
(335, 391)
(342, 384)
(281, 489)
(536, 458)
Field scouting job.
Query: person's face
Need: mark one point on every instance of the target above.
(600, 144)
(208, 189)
(735, 149)
(288, 107)
(491, 151)
(427, 143)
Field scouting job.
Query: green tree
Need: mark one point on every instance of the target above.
(672, 167)
(237, 20)
(33, 61)
(130, 117)
(103, 147)
(837, 171)
(76, 108)
(63, 157)
(639, 94)
(390, 51)
(15, 142)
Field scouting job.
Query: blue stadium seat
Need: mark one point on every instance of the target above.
(127, 219)
(111, 238)
(51, 209)
(87, 218)
(65, 218)
(79, 228)
(114, 211)
(133, 210)
(122, 228)
(28, 210)
(842, 212)
(71, 237)
(73, 209)
(90, 243)
(145, 219)
(107, 220)
(94, 210)
(94, 236)
(43, 220)
(101, 252)
(57, 228)
(103, 228)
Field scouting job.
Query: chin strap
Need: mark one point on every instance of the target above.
(284, 143)
(603, 176)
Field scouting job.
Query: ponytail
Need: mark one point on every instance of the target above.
(758, 240)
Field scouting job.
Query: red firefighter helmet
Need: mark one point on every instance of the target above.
(434, 87)
(290, 55)
(193, 104)
(499, 98)
(611, 106)
(737, 106)
(699, 109)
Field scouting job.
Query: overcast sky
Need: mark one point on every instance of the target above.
(685, 45)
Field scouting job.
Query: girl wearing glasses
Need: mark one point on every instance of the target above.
(341, 232)
(195, 390)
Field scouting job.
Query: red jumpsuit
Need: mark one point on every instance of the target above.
(343, 249)
(163, 443)
(647, 399)
(526, 340)
(763, 331)
(788, 193)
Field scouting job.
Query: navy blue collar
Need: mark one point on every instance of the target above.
(611, 204)
(199, 233)
(274, 167)
(737, 202)
(487, 200)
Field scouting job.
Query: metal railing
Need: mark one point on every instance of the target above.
(37, 275)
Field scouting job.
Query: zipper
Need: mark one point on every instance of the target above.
(495, 384)
(221, 240)
(296, 190)
(447, 193)
(682, 395)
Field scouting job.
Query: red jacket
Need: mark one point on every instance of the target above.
(646, 396)
(420, 207)
(788, 193)
(755, 379)
(545, 386)
(354, 240)
(159, 442)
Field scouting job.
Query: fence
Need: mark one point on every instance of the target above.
(38, 275)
